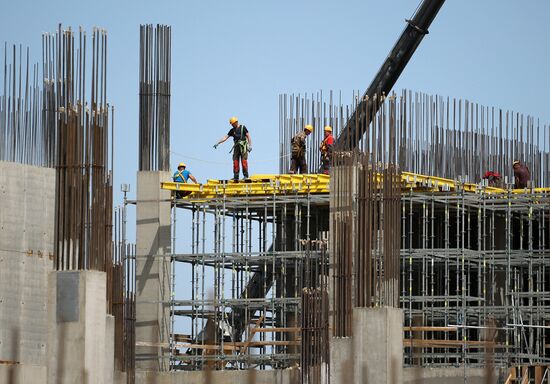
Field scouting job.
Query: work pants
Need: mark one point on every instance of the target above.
(325, 164)
(298, 165)
(243, 158)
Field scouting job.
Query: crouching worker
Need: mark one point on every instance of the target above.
(522, 176)
(493, 179)
(182, 175)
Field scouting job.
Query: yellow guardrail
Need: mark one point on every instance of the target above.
(269, 184)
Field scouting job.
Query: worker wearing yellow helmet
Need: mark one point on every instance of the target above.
(298, 151)
(242, 144)
(326, 148)
(182, 175)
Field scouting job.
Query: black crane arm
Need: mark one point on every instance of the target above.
(390, 71)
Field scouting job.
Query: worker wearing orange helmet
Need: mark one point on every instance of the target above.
(298, 145)
(326, 149)
(242, 144)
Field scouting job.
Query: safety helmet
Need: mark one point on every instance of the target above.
(328, 128)
(233, 120)
(488, 174)
(515, 162)
(309, 127)
(182, 165)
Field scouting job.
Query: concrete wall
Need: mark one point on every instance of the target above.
(447, 376)
(27, 208)
(287, 376)
(152, 274)
(22, 374)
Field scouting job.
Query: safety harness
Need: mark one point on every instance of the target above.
(180, 175)
(242, 143)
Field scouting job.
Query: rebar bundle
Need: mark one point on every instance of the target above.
(314, 354)
(83, 180)
(433, 135)
(25, 135)
(295, 112)
(365, 236)
(154, 97)
(124, 304)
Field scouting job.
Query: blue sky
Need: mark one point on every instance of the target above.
(235, 58)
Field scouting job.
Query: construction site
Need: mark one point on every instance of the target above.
(402, 263)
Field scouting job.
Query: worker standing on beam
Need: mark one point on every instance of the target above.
(298, 145)
(242, 144)
(521, 175)
(326, 148)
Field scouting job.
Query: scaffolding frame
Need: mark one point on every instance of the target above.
(235, 238)
(474, 278)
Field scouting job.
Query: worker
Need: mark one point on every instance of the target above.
(521, 175)
(242, 144)
(182, 176)
(298, 156)
(493, 178)
(326, 148)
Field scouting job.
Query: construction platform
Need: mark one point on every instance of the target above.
(272, 184)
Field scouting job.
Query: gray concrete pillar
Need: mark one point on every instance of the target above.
(109, 348)
(77, 327)
(341, 360)
(27, 205)
(378, 345)
(152, 273)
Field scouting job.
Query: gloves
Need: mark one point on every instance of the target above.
(216, 146)
(249, 148)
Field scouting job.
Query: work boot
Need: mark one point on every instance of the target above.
(236, 177)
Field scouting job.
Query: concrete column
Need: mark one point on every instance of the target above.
(152, 273)
(341, 360)
(77, 327)
(27, 205)
(378, 345)
(109, 348)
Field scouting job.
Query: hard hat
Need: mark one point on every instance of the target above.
(491, 173)
(328, 128)
(182, 165)
(233, 120)
(515, 162)
(309, 127)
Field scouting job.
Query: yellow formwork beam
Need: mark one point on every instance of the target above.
(270, 184)
(256, 185)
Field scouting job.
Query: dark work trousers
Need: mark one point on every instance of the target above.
(298, 165)
(243, 158)
(325, 164)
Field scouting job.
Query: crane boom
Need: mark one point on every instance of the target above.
(389, 72)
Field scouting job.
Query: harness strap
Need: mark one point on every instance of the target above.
(181, 175)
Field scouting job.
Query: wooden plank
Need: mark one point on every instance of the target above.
(427, 329)
(282, 329)
(251, 334)
(449, 343)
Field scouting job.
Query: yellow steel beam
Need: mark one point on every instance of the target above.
(270, 184)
